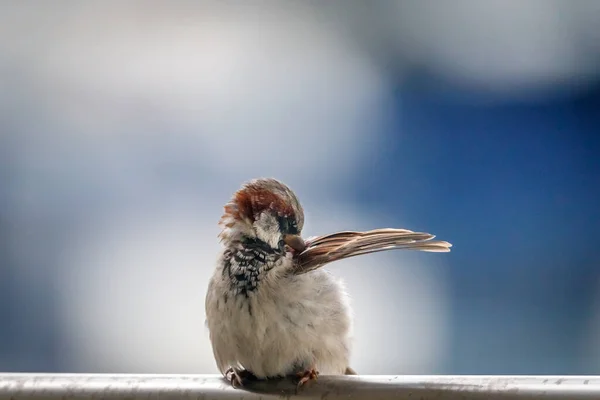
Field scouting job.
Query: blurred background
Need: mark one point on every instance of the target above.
(125, 127)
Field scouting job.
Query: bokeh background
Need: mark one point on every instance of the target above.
(125, 126)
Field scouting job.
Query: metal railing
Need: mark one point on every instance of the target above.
(414, 387)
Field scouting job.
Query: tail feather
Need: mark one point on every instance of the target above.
(337, 246)
(350, 371)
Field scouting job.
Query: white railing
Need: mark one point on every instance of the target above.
(439, 387)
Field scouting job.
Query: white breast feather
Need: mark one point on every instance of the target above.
(288, 322)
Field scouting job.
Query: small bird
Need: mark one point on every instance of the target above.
(271, 310)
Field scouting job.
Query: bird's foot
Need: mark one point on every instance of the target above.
(304, 377)
(239, 377)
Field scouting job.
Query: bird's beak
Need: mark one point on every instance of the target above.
(295, 242)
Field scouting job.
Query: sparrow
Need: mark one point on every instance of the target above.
(271, 310)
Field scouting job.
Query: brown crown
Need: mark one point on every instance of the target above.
(254, 198)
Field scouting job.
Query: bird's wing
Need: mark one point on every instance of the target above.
(337, 246)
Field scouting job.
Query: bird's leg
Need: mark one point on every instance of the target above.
(238, 377)
(307, 375)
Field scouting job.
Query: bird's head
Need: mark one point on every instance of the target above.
(264, 210)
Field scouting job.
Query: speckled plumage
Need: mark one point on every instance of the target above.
(286, 324)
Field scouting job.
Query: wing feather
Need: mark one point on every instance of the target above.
(337, 246)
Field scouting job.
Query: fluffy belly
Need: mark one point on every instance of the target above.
(288, 338)
(284, 327)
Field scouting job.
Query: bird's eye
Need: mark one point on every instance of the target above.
(293, 227)
(288, 225)
(283, 224)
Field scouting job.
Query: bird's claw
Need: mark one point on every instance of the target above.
(237, 377)
(233, 378)
(306, 376)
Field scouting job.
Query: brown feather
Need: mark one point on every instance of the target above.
(254, 198)
(325, 249)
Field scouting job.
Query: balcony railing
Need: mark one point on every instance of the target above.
(413, 387)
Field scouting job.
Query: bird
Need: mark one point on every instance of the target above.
(272, 311)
